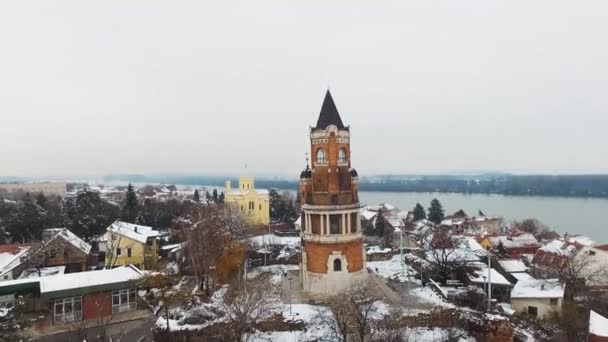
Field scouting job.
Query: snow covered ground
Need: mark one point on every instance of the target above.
(271, 239)
(392, 269)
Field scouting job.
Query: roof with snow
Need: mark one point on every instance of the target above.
(480, 276)
(368, 214)
(581, 240)
(538, 288)
(69, 237)
(132, 231)
(329, 114)
(514, 241)
(522, 276)
(75, 283)
(598, 324)
(513, 265)
(10, 256)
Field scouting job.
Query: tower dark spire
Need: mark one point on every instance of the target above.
(329, 114)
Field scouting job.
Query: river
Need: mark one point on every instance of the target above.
(564, 214)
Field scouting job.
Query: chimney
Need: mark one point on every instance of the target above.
(228, 185)
(542, 287)
(136, 229)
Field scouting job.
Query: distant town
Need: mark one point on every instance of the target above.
(243, 261)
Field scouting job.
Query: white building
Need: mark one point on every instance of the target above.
(538, 298)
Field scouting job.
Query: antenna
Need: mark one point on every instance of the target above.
(306, 154)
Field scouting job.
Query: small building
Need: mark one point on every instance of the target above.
(128, 243)
(82, 296)
(598, 327)
(515, 245)
(11, 257)
(538, 298)
(480, 276)
(255, 204)
(60, 247)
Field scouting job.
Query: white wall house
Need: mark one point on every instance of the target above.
(538, 298)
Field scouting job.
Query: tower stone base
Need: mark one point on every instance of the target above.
(319, 273)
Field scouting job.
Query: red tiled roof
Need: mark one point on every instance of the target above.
(602, 247)
(14, 249)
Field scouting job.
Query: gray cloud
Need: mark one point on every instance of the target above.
(161, 86)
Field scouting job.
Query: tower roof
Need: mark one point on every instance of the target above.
(329, 114)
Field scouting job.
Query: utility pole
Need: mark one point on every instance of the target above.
(489, 281)
(289, 296)
(401, 251)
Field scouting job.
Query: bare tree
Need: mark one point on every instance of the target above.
(352, 312)
(215, 233)
(247, 306)
(113, 241)
(443, 256)
(578, 272)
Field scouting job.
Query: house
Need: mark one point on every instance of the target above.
(552, 257)
(254, 203)
(460, 223)
(598, 327)
(479, 275)
(128, 243)
(538, 298)
(11, 258)
(513, 269)
(83, 296)
(515, 245)
(60, 247)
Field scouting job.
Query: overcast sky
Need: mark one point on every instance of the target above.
(205, 87)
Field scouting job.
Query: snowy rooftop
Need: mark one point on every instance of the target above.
(368, 214)
(581, 240)
(538, 288)
(43, 272)
(522, 276)
(513, 265)
(559, 247)
(70, 237)
(514, 241)
(271, 239)
(480, 276)
(72, 281)
(598, 325)
(378, 250)
(470, 244)
(10, 256)
(133, 231)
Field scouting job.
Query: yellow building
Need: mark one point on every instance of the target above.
(255, 204)
(133, 244)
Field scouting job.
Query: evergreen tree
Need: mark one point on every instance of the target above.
(290, 214)
(221, 198)
(276, 204)
(130, 207)
(88, 215)
(436, 211)
(501, 250)
(215, 197)
(419, 212)
(207, 196)
(196, 196)
(41, 200)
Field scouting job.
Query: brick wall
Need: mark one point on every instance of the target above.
(95, 303)
(318, 254)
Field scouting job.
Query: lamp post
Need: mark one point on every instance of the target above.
(289, 278)
(489, 281)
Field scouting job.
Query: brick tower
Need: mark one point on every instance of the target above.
(333, 257)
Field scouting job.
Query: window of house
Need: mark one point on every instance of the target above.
(334, 224)
(129, 252)
(124, 300)
(260, 207)
(252, 205)
(150, 242)
(65, 253)
(591, 252)
(118, 251)
(532, 311)
(67, 309)
(321, 156)
(337, 265)
(342, 155)
(553, 301)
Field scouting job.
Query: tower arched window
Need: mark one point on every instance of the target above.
(337, 265)
(321, 156)
(342, 155)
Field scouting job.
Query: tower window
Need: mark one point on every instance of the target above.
(321, 156)
(342, 155)
(337, 265)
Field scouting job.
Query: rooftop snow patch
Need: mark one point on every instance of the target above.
(513, 265)
(598, 325)
(480, 276)
(270, 239)
(70, 237)
(87, 279)
(538, 288)
(515, 241)
(559, 247)
(132, 231)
